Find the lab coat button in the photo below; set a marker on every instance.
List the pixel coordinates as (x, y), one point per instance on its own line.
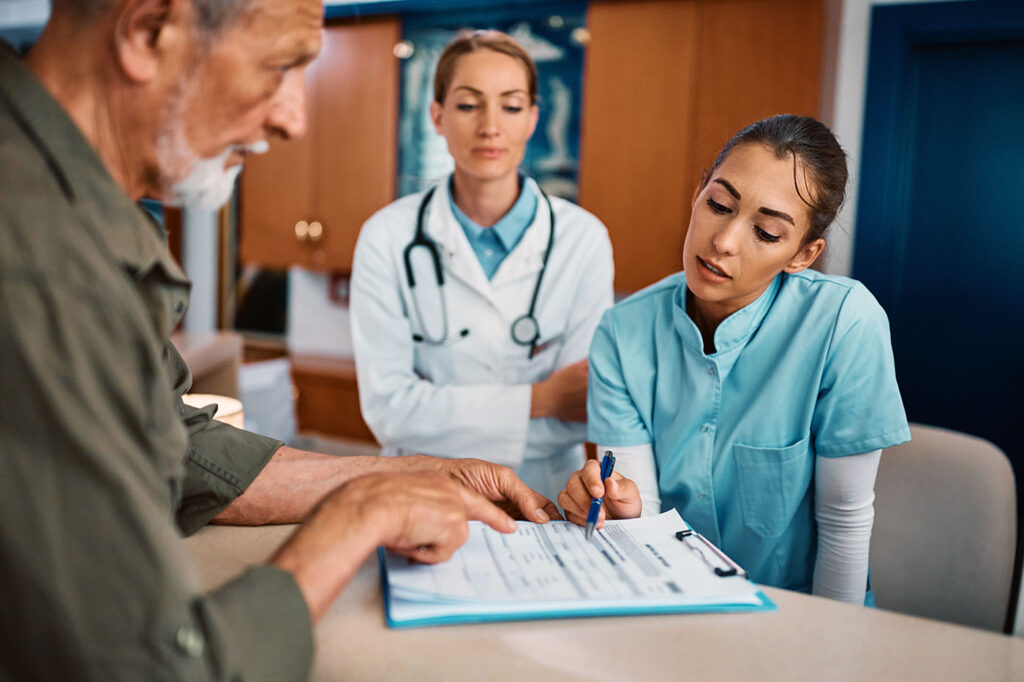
(190, 641)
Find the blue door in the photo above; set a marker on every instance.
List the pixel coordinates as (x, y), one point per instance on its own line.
(940, 228)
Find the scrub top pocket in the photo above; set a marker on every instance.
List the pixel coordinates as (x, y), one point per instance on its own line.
(772, 483)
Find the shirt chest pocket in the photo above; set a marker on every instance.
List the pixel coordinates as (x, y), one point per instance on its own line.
(772, 484)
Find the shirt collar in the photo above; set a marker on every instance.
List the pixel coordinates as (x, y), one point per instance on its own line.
(735, 330)
(511, 227)
(126, 229)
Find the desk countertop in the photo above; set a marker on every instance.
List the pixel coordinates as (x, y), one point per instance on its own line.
(808, 638)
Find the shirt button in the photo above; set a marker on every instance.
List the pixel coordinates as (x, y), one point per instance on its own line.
(705, 427)
(488, 253)
(179, 306)
(702, 496)
(711, 371)
(190, 641)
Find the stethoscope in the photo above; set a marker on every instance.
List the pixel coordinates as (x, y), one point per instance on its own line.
(525, 329)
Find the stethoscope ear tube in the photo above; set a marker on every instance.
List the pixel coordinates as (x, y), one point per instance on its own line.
(525, 329)
(531, 334)
(420, 240)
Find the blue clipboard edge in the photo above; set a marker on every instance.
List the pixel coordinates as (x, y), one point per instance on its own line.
(765, 605)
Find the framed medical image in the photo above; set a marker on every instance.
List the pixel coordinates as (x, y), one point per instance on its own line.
(554, 34)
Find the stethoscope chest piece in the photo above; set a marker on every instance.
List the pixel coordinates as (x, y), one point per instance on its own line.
(525, 330)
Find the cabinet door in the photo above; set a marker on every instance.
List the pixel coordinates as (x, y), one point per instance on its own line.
(343, 170)
(356, 131)
(276, 191)
(667, 83)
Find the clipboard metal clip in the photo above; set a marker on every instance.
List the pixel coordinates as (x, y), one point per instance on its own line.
(730, 568)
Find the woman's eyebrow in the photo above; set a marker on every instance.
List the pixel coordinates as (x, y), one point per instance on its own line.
(728, 186)
(766, 211)
(777, 214)
(480, 92)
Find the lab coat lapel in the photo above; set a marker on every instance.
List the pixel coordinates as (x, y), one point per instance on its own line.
(527, 258)
(457, 255)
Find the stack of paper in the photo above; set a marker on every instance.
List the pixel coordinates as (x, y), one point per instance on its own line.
(636, 566)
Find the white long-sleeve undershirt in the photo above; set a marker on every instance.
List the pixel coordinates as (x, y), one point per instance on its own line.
(844, 506)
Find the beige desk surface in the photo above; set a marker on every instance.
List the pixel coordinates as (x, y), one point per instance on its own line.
(808, 638)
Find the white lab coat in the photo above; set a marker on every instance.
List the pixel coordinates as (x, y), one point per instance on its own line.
(471, 397)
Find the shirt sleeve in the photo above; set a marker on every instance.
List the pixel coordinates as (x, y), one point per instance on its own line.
(844, 497)
(859, 407)
(594, 295)
(612, 415)
(400, 407)
(221, 460)
(91, 453)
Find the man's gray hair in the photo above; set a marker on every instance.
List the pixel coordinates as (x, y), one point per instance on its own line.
(211, 15)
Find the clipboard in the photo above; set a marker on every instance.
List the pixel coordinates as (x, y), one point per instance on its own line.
(693, 576)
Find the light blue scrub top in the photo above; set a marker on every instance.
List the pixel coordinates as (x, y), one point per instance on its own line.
(804, 370)
(492, 244)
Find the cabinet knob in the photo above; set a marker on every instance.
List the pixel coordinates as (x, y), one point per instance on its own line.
(316, 231)
(301, 230)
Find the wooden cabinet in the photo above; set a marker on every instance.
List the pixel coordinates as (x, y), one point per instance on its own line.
(304, 202)
(665, 85)
(328, 397)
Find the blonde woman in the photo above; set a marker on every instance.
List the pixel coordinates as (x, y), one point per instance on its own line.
(474, 302)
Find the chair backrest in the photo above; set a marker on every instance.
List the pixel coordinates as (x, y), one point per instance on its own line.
(945, 529)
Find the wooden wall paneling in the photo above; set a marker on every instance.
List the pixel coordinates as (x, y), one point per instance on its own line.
(665, 85)
(636, 131)
(357, 122)
(757, 58)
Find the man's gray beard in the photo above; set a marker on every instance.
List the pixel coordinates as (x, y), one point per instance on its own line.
(208, 185)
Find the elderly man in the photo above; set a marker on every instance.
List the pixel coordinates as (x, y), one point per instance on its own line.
(101, 466)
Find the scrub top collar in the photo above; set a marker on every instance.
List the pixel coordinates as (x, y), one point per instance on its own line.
(734, 331)
(510, 227)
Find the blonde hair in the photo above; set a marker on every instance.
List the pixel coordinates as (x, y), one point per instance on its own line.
(473, 41)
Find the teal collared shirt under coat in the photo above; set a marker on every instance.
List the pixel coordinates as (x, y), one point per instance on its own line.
(492, 244)
(804, 370)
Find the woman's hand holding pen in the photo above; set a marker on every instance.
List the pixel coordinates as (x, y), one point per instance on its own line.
(621, 496)
(563, 395)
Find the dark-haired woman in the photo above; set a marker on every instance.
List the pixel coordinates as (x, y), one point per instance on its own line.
(749, 392)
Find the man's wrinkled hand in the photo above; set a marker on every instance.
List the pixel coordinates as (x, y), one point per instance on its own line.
(503, 487)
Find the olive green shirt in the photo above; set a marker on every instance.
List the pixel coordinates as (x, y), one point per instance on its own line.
(102, 467)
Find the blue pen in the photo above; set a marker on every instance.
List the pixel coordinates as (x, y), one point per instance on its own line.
(607, 465)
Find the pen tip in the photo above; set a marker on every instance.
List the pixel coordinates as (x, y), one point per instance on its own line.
(589, 531)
